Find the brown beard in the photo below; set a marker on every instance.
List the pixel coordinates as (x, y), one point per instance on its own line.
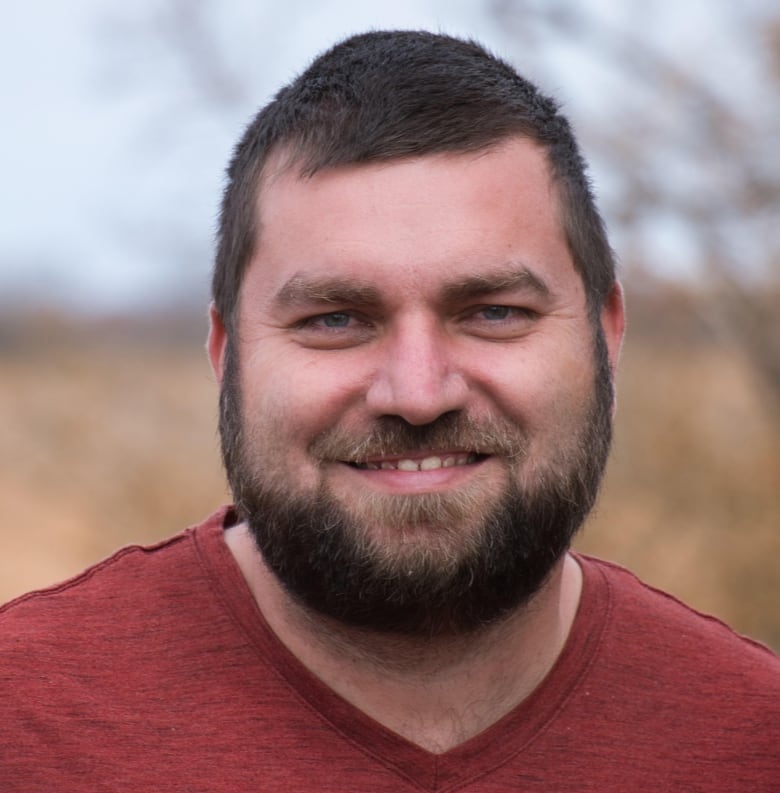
(445, 585)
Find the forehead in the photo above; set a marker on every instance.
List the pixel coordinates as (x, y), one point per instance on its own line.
(416, 223)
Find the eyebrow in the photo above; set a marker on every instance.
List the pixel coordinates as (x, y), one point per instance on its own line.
(300, 291)
(474, 286)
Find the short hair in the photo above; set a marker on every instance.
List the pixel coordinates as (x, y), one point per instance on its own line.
(390, 95)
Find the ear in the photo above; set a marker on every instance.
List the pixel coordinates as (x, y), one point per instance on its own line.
(217, 342)
(613, 323)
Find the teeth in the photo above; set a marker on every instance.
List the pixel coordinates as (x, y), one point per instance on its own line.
(430, 463)
(426, 464)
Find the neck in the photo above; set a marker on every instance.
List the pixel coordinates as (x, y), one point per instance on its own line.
(436, 693)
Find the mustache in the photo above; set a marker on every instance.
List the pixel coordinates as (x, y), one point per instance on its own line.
(392, 436)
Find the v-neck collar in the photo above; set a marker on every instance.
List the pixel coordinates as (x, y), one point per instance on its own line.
(468, 761)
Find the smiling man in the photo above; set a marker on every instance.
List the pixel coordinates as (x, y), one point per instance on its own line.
(415, 404)
(415, 326)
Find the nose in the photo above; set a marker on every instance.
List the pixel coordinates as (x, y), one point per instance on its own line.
(417, 377)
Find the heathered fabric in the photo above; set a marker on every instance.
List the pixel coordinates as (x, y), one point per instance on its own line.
(155, 671)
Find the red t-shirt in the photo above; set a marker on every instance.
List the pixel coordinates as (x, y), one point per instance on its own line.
(155, 671)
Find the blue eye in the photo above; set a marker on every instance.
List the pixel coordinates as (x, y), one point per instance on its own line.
(336, 320)
(496, 312)
(334, 330)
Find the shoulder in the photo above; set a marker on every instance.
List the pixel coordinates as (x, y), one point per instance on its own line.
(677, 685)
(108, 596)
(93, 604)
(145, 614)
(655, 618)
(652, 638)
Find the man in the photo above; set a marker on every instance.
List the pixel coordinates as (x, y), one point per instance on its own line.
(415, 325)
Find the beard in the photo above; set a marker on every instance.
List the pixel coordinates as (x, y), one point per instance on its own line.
(423, 565)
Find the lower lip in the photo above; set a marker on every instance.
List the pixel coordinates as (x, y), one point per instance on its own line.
(394, 481)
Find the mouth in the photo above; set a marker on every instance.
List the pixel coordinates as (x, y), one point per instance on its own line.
(428, 462)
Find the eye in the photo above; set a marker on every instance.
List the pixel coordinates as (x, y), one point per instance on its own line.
(334, 320)
(505, 314)
(500, 323)
(496, 312)
(334, 330)
(338, 319)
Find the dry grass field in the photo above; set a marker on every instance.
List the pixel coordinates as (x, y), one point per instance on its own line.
(109, 438)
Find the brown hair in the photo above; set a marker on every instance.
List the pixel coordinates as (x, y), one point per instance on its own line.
(398, 94)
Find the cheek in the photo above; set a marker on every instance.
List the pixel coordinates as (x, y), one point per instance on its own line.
(569, 405)
(289, 400)
(548, 395)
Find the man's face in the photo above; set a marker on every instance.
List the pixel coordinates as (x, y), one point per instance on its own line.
(416, 407)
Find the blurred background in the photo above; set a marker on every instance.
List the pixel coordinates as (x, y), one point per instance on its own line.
(118, 121)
